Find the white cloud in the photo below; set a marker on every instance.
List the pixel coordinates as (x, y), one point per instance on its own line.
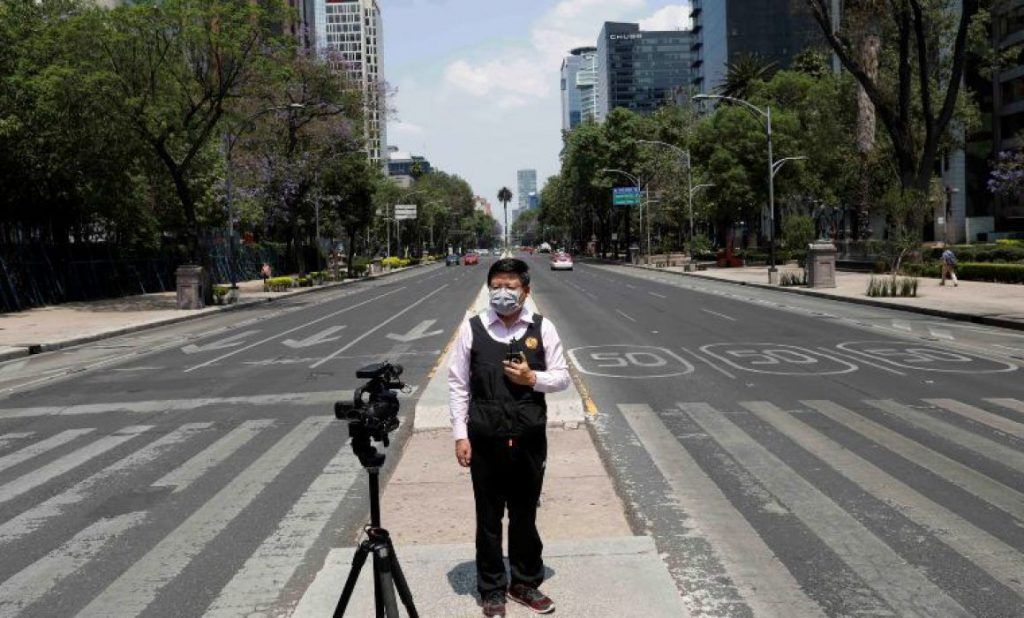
(515, 75)
(673, 17)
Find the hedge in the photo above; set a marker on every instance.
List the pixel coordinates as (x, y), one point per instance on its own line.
(972, 271)
(996, 253)
(279, 284)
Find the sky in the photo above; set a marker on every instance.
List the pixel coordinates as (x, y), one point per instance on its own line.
(477, 81)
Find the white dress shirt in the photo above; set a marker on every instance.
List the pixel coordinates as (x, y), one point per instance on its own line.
(555, 378)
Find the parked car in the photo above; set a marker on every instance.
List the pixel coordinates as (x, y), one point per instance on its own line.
(471, 259)
(451, 260)
(561, 261)
(484, 252)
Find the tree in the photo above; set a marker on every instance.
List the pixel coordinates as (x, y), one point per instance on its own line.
(742, 72)
(505, 196)
(916, 95)
(349, 185)
(169, 69)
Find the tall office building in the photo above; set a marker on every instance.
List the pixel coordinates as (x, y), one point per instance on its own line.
(351, 33)
(578, 80)
(527, 184)
(1007, 119)
(775, 30)
(639, 70)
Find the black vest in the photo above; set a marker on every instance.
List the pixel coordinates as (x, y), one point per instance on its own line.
(497, 407)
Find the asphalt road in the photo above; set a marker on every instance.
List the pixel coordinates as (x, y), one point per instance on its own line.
(197, 469)
(790, 456)
(794, 456)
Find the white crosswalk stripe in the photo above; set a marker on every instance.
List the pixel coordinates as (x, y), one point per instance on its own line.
(69, 462)
(758, 577)
(136, 588)
(38, 448)
(257, 585)
(903, 587)
(16, 436)
(31, 583)
(34, 518)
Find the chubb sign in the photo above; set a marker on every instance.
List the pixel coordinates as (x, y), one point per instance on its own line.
(625, 37)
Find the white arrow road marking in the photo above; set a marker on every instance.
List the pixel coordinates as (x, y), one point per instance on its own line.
(322, 337)
(222, 344)
(419, 332)
(940, 334)
(902, 325)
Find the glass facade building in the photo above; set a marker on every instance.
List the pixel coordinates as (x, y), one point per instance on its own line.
(775, 30)
(351, 33)
(527, 184)
(577, 86)
(639, 70)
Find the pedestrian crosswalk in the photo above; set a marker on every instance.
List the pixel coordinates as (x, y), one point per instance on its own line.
(798, 508)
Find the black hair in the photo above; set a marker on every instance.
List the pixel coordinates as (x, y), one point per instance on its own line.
(512, 266)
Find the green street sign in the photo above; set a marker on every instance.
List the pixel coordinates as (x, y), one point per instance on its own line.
(625, 196)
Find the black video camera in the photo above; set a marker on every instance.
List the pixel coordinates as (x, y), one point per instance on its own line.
(373, 411)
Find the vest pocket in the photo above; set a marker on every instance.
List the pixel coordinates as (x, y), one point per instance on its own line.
(506, 419)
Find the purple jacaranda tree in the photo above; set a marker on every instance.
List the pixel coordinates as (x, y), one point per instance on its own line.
(1007, 176)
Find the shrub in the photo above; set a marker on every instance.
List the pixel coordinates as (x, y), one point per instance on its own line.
(790, 278)
(219, 292)
(279, 284)
(892, 286)
(797, 231)
(392, 262)
(999, 273)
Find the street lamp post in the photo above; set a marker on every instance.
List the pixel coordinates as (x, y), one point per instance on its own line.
(766, 114)
(230, 139)
(689, 180)
(636, 181)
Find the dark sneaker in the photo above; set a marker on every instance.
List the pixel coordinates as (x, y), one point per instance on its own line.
(494, 604)
(532, 598)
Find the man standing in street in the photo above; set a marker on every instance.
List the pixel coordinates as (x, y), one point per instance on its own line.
(503, 362)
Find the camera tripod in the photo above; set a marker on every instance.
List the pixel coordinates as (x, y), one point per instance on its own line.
(387, 574)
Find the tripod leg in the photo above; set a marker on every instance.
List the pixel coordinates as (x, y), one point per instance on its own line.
(350, 584)
(378, 586)
(400, 583)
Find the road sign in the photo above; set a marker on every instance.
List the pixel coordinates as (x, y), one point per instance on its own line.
(405, 211)
(625, 196)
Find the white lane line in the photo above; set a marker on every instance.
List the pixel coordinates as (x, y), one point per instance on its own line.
(721, 315)
(176, 405)
(292, 330)
(33, 450)
(193, 469)
(708, 363)
(976, 414)
(964, 477)
(258, 584)
(33, 582)
(902, 586)
(859, 359)
(658, 295)
(68, 462)
(968, 439)
(8, 438)
(938, 333)
(1000, 561)
(376, 328)
(625, 316)
(763, 581)
(136, 588)
(36, 517)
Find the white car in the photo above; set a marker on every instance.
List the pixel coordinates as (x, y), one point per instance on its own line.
(561, 261)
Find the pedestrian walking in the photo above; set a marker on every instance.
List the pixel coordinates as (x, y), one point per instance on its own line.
(948, 261)
(504, 361)
(265, 272)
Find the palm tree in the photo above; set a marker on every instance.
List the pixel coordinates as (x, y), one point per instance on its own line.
(505, 196)
(741, 73)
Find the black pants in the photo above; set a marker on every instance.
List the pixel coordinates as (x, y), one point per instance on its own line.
(508, 477)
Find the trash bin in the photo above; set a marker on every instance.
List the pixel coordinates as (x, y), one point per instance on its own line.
(189, 280)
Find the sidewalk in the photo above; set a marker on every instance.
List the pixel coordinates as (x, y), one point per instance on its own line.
(59, 326)
(595, 566)
(995, 304)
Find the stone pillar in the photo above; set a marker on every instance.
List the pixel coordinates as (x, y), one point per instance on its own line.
(189, 280)
(821, 265)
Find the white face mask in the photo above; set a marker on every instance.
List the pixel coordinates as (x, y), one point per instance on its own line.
(505, 302)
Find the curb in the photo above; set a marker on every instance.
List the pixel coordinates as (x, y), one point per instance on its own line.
(941, 313)
(31, 349)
